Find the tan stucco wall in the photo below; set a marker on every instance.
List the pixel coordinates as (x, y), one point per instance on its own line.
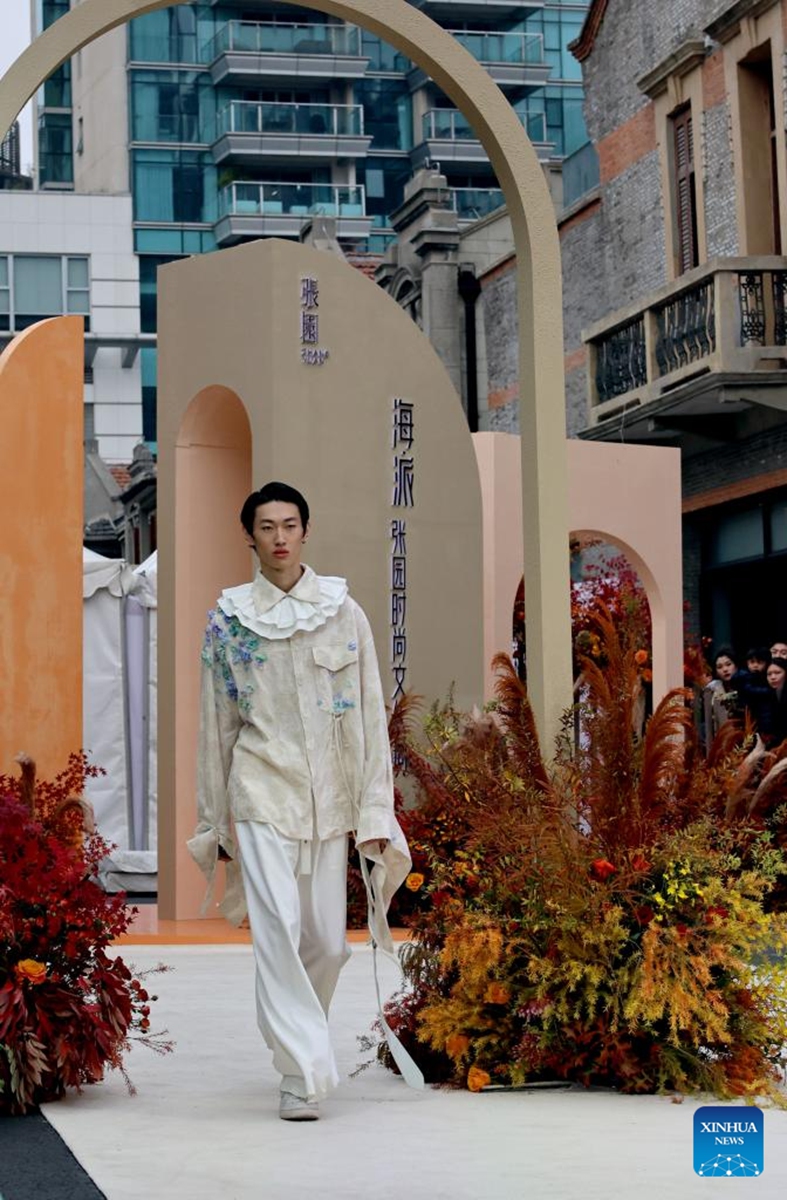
(542, 416)
(100, 102)
(629, 495)
(233, 318)
(41, 414)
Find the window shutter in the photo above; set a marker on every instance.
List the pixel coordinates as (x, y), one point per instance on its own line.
(685, 201)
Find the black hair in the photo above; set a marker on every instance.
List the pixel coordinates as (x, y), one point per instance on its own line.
(725, 652)
(759, 654)
(269, 492)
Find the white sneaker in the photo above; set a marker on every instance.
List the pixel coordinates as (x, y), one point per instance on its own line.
(295, 1108)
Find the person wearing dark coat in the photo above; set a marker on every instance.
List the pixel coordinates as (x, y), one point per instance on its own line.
(777, 683)
(756, 696)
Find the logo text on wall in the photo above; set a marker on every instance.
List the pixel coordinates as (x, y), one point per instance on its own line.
(311, 354)
(403, 497)
(729, 1142)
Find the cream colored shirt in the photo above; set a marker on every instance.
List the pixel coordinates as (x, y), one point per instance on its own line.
(293, 727)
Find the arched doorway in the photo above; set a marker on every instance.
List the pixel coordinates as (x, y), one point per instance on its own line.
(212, 478)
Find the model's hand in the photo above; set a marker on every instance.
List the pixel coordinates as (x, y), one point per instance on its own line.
(223, 856)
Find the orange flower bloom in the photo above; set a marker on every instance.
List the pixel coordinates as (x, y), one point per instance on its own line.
(641, 657)
(648, 675)
(414, 881)
(28, 970)
(497, 993)
(457, 1045)
(601, 869)
(477, 1079)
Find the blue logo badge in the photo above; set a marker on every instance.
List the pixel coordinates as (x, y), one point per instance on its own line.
(729, 1141)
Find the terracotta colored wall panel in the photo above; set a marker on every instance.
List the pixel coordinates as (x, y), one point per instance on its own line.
(41, 412)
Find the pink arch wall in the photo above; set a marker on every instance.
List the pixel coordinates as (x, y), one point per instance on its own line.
(629, 495)
(212, 478)
(41, 498)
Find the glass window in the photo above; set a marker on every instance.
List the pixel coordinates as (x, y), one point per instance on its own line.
(148, 304)
(5, 296)
(384, 179)
(174, 186)
(172, 106)
(77, 273)
(38, 287)
(55, 148)
(35, 286)
(57, 89)
(149, 370)
(737, 536)
(169, 36)
(779, 525)
(387, 112)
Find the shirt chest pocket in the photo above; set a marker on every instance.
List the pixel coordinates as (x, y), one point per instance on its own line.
(337, 677)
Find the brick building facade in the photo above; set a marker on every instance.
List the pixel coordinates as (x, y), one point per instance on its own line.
(675, 287)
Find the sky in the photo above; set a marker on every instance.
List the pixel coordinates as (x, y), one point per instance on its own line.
(14, 36)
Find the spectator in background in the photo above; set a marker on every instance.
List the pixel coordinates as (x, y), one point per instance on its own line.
(777, 678)
(755, 693)
(779, 650)
(722, 697)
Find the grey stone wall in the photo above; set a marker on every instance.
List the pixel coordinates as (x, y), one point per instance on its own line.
(719, 182)
(634, 37)
(498, 311)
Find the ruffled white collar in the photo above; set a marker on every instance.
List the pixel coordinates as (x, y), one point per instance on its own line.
(272, 613)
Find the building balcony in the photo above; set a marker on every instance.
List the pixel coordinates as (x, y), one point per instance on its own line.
(244, 52)
(448, 138)
(717, 336)
(512, 59)
(252, 132)
(471, 204)
(477, 9)
(280, 210)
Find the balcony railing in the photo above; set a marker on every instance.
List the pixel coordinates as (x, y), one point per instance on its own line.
(519, 49)
(256, 37)
(449, 125)
(292, 199)
(470, 204)
(333, 120)
(730, 315)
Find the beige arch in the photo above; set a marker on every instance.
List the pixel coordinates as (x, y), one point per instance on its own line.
(541, 378)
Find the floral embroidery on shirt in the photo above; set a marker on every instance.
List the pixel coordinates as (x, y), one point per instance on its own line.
(340, 704)
(228, 643)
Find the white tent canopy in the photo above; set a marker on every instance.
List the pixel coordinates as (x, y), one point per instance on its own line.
(119, 708)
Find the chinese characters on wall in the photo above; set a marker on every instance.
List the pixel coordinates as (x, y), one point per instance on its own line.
(312, 354)
(403, 498)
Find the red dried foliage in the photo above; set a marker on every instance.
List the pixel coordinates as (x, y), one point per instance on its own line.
(67, 1009)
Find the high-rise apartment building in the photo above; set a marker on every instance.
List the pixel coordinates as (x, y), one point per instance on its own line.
(231, 121)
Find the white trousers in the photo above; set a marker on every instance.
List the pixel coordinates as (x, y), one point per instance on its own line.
(298, 924)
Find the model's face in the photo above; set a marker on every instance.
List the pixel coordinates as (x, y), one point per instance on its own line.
(725, 667)
(278, 537)
(775, 676)
(779, 650)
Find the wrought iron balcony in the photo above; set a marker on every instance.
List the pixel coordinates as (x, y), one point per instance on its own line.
(448, 137)
(250, 209)
(471, 204)
(244, 51)
(722, 324)
(251, 131)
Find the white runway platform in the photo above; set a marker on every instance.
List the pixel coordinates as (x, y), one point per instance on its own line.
(204, 1122)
